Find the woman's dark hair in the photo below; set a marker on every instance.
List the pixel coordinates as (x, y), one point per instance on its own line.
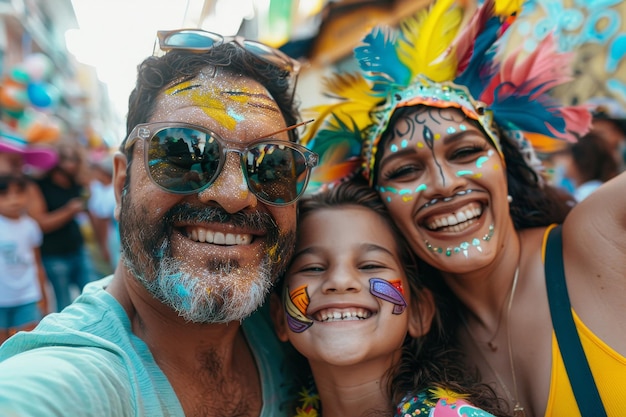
(593, 158)
(156, 73)
(534, 204)
(431, 360)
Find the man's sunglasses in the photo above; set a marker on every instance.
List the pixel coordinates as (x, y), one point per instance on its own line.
(198, 40)
(183, 158)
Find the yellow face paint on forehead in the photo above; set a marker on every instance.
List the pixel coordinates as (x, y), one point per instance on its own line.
(227, 100)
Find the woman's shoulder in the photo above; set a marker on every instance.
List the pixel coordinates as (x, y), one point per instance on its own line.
(438, 402)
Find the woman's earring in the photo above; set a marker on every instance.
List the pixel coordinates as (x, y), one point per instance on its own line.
(509, 199)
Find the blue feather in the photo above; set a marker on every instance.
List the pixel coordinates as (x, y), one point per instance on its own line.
(341, 135)
(378, 59)
(534, 115)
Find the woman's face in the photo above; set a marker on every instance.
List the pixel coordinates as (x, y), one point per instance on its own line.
(445, 185)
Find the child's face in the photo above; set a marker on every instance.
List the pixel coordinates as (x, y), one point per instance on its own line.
(13, 197)
(347, 298)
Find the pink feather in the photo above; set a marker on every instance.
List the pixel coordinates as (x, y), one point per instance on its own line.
(577, 122)
(464, 44)
(533, 75)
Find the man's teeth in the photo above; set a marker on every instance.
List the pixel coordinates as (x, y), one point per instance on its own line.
(343, 314)
(200, 234)
(468, 213)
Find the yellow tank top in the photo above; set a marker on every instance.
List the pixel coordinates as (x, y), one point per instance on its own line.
(607, 366)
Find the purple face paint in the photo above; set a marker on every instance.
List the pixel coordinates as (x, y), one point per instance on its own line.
(386, 291)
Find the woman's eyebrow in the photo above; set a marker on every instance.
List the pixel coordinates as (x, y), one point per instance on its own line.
(459, 135)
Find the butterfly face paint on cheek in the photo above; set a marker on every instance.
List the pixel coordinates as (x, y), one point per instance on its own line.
(391, 291)
(295, 303)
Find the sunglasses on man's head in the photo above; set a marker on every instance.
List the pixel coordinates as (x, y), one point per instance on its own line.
(183, 158)
(199, 40)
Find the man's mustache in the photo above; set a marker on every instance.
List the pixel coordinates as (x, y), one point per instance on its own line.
(184, 213)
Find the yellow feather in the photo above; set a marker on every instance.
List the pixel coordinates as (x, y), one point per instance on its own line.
(354, 105)
(508, 7)
(427, 40)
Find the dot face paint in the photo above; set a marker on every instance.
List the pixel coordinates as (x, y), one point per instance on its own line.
(448, 179)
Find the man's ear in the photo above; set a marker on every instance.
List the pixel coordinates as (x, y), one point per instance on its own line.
(277, 312)
(421, 313)
(119, 180)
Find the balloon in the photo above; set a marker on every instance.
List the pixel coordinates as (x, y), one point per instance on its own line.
(38, 127)
(13, 96)
(42, 95)
(38, 66)
(19, 75)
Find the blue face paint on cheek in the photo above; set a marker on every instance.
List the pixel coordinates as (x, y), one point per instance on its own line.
(405, 193)
(480, 161)
(386, 291)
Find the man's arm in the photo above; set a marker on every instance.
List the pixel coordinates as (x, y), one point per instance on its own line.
(63, 381)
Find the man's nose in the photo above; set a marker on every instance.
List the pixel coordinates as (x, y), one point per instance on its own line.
(230, 189)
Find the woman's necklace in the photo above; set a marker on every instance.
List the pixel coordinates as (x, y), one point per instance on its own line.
(518, 410)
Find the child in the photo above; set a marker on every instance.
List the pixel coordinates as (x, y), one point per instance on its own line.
(22, 277)
(354, 306)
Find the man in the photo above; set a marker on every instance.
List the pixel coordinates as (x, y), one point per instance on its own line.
(203, 238)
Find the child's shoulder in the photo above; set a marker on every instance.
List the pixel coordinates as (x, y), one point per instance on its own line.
(437, 402)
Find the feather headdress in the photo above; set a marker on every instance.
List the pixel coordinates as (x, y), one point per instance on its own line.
(432, 59)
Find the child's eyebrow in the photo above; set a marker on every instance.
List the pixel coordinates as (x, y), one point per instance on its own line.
(372, 247)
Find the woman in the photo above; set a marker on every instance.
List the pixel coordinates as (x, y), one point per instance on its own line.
(446, 133)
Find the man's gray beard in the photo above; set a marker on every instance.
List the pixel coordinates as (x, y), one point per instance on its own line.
(227, 292)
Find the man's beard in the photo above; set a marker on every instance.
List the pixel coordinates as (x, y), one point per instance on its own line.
(225, 291)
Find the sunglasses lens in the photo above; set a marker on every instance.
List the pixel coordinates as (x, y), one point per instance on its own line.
(190, 40)
(270, 55)
(277, 174)
(183, 160)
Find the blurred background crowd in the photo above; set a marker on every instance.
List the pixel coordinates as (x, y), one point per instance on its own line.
(61, 120)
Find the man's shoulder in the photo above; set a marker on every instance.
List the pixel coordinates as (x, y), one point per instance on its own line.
(277, 361)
